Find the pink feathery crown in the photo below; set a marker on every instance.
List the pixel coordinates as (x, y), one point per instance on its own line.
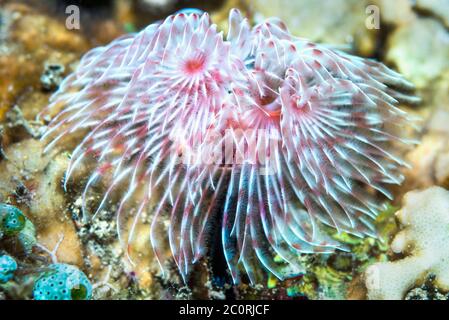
(268, 135)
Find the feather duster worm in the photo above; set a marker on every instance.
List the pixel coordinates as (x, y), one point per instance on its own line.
(275, 135)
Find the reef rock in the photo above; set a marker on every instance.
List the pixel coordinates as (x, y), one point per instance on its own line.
(396, 13)
(314, 19)
(438, 8)
(424, 62)
(427, 161)
(45, 203)
(28, 39)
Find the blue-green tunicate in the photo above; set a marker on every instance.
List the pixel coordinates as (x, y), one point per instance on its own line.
(62, 282)
(7, 268)
(12, 220)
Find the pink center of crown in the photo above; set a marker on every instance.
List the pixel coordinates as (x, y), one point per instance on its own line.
(195, 64)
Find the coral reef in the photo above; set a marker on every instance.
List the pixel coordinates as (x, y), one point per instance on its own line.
(37, 51)
(425, 218)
